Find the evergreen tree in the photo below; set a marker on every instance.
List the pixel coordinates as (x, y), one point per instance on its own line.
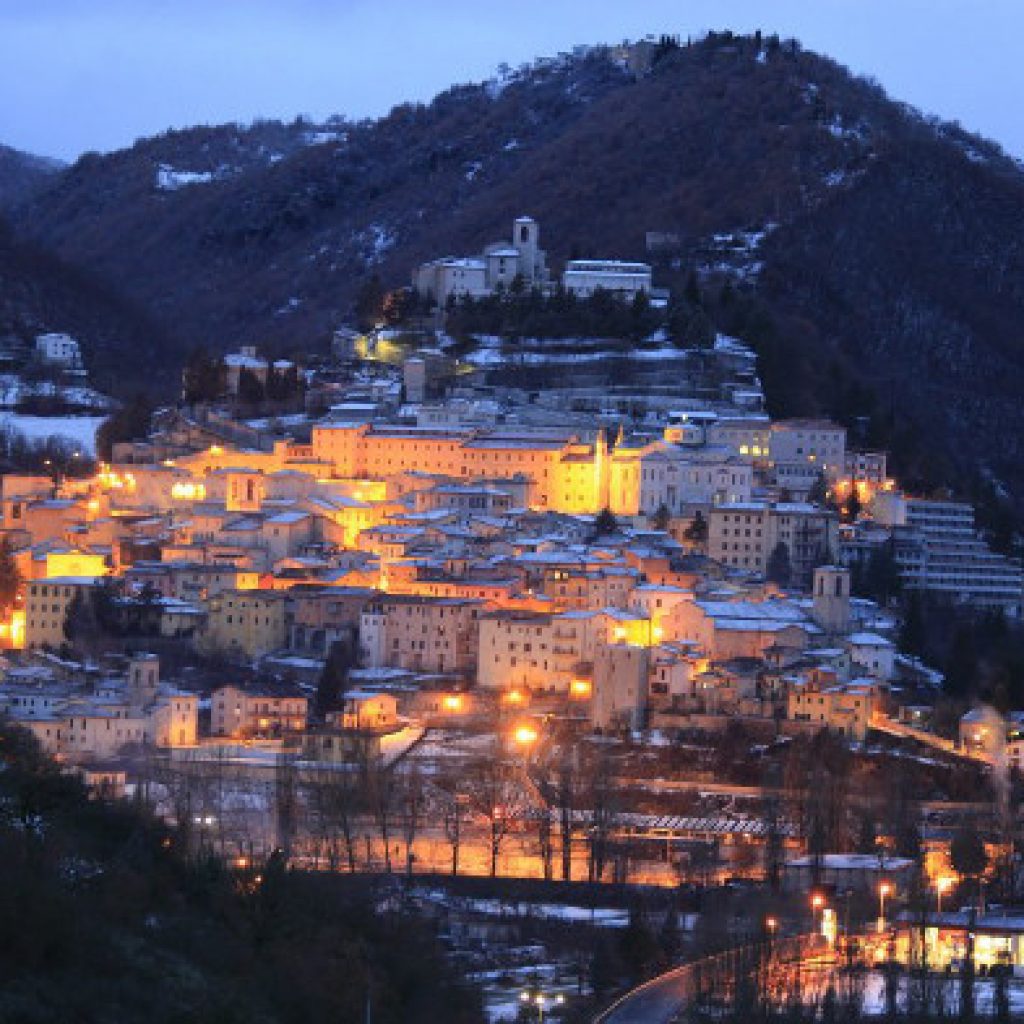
(638, 947)
(334, 678)
(131, 422)
(818, 494)
(913, 635)
(669, 936)
(961, 669)
(10, 577)
(853, 506)
(603, 967)
(697, 531)
(250, 388)
(779, 569)
(203, 378)
(881, 581)
(370, 303)
(662, 517)
(605, 524)
(692, 290)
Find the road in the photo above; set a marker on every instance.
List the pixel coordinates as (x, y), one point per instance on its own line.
(657, 1002)
(660, 1000)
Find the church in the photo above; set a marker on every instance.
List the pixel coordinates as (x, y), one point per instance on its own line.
(493, 270)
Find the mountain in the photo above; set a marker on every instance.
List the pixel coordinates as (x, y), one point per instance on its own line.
(40, 292)
(22, 174)
(872, 254)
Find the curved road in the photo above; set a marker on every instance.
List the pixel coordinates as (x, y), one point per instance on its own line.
(660, 1000)
(657, 1002)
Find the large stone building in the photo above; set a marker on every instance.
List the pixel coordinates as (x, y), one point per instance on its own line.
(424, 634)
(617, 277)
(746, 535)
(938, 549)
(495, 269)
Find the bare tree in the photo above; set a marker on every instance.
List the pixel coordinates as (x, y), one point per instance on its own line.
(286, 804)
(380, 788)
(332, 798)
(496, 792)
(411, 799)
(603, 813)
(455, 807)
(567, 786)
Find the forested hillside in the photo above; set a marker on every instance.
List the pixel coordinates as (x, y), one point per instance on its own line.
(872, 254)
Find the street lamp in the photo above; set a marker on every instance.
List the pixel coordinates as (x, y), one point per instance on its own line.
(884, 890)
(525, 735)
(817, 906)
(942, 885)
(541, 1001)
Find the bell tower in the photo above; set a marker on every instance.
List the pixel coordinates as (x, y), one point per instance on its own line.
(832, 598)
(526, 238)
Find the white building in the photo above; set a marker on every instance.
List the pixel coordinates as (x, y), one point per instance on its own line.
(744, 535)
(495, 269)
(802, 450)
(59, 350)
(620, 278)
(937, 547)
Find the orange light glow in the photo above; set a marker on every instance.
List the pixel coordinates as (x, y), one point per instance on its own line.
(453, 702)
(12, 632)
(884, 889)
(580, 688)
(188, 491)
(525, 735)
(513, 697)
(817, 901)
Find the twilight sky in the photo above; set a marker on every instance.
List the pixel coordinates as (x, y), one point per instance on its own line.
(97, 74)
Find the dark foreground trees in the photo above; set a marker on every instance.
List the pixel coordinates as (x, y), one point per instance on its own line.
(104, 917)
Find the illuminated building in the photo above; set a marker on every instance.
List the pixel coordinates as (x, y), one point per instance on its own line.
(422, 634)
(46, 607)
(249, 623)
(241, 714)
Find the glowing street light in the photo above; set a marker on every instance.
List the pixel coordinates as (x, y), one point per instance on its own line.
(541, 1001)
(525, 735)
(884, 890)
(943, 884)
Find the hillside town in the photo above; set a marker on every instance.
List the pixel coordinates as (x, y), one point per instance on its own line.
(477, 625)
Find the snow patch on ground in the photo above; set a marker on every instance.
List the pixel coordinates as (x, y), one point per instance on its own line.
(735, 252)
(13, 389)
(78, 431)
(374, 243)
(170, 180)
(319, 138)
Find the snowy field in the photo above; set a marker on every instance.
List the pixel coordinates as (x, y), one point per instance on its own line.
(79, 431)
